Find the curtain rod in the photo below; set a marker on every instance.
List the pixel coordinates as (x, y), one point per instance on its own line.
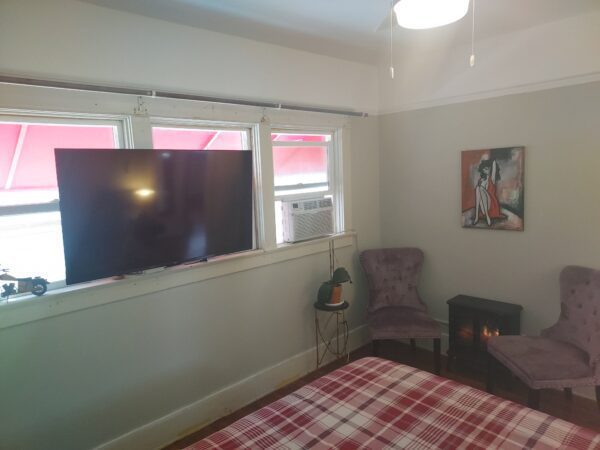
(5, 79)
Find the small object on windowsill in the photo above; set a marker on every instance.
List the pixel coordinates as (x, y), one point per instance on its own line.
(36, 285)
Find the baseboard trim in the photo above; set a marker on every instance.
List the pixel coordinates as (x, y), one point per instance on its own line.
(194, 416)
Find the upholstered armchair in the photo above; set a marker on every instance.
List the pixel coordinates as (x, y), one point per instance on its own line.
(567, 354)
(395, 309)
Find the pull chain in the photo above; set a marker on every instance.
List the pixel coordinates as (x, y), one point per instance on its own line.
(392, 39)
(472, 59)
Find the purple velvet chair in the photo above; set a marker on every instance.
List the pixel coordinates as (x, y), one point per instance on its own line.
(395, 309)
(567, 354)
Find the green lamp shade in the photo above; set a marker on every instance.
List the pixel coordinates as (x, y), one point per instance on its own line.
(340, 275)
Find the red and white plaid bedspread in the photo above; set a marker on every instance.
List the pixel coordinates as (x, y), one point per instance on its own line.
(373, 403)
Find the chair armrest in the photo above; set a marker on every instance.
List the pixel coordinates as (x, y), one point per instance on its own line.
(552, 332)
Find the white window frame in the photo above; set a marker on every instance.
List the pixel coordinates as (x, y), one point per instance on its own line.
(135, 114)
(253, 145)
(334, 167)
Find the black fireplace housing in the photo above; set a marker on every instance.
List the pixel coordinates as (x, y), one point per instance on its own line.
(472, 321)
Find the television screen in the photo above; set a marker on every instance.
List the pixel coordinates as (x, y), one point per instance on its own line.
(124, 211)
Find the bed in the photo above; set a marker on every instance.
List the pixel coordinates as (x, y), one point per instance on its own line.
(375, 403)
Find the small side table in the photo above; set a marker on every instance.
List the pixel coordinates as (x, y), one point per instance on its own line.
(341, 327)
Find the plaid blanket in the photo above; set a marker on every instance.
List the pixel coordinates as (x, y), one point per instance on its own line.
(373, 403)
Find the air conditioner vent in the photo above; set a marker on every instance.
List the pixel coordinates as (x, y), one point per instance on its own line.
(306, 219)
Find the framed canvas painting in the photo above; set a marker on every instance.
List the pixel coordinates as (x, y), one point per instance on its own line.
(492, 188)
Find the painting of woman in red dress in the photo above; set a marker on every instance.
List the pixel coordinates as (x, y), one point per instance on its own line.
(490, 201)
(486, 201)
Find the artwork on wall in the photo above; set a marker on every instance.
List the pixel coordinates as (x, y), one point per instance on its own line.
(492, 188)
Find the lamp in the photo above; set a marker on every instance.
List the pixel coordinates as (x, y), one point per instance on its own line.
(421, 14)
(330, 291)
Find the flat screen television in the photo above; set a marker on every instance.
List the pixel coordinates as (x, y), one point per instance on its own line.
(125, 211)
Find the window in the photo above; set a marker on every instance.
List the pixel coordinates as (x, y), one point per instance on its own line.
(30, 231)
(306, 165)
(303, 165)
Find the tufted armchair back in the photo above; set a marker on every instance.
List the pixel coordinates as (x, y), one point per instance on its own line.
(393, 275)
(579, 321)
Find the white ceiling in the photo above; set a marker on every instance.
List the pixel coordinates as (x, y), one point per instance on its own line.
(349, 29)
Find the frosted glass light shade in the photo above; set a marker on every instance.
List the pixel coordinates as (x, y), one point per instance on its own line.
(421, 14)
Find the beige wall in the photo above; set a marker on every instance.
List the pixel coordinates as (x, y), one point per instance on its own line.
(420, 196)
(365, 176)
(76, 41)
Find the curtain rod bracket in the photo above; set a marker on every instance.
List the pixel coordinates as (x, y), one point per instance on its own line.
(140, 109)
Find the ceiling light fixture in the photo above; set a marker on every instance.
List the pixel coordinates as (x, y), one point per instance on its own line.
(421, 14)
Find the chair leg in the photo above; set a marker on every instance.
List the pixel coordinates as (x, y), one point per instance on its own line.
(598, 396)
(489, 376)
(449, 360)
(533, 398)
(375, 347)
(437, 359)
(413, 346)
(568, 394)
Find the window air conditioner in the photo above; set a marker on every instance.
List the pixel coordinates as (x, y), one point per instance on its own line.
(306, 219)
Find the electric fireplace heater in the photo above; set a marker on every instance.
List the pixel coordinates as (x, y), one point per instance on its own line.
(472, 322)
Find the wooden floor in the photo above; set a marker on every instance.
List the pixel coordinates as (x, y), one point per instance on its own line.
(578, 410)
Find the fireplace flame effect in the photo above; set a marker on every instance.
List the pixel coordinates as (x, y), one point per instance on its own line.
(486, 332)
(466, 333)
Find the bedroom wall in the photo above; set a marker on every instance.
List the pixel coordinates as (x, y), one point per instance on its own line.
(138, 372)
(76, 41)
(420, 196)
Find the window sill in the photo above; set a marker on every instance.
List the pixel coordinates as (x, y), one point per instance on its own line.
(89, 295)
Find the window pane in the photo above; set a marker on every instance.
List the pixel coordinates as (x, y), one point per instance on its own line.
(198, 139)
(27, 169)
(299, 165)
(300, 137)
(31, 244)
(9, 135)
(301, 168)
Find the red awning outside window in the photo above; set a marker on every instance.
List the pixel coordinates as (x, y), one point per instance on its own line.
(27, 151)
(195, 139)
(9, 134)
(293, 165)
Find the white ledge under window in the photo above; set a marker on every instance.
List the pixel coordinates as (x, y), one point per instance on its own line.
(88, 295)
